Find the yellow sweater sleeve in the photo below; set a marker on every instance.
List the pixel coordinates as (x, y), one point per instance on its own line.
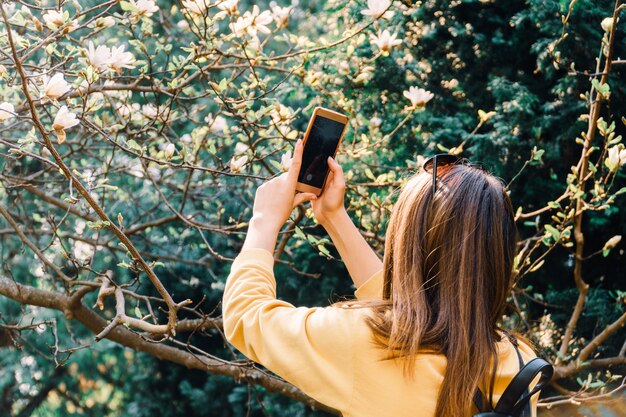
(372, 289)
(310, 347)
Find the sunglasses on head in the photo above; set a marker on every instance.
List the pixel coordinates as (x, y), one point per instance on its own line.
(443, 160)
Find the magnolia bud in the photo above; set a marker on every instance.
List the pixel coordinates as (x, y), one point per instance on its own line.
(169, 150)
(612, 242)
(607, 24)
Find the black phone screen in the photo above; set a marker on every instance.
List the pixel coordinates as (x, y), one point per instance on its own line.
(321, 143)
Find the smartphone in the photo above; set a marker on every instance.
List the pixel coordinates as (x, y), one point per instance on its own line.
(321, 140)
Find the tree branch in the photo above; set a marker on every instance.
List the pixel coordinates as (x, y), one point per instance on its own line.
(36, 297)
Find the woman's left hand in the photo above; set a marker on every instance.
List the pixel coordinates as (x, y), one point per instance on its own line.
(275, 200)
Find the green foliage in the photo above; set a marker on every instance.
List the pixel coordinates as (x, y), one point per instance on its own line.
(507, 57)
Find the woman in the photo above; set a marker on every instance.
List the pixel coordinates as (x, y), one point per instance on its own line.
(422, 335)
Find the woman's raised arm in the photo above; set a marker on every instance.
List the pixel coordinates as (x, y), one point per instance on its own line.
(360, 259)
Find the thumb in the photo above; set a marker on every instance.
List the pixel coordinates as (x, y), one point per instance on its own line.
(303, 197)
(336, 170)
(296, 162)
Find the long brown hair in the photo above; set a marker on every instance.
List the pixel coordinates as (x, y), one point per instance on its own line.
(447, 273)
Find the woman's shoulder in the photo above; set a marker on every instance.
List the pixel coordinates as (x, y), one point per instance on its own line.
(508, 344)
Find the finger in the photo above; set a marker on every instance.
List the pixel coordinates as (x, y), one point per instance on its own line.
(296, 161)
(337, 171)
(302, 198)
(330, 178)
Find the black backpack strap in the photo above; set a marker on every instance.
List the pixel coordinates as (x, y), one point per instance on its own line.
(516, 396)
(526, 412)
(479, 401)
(479, 398)
(515, 399)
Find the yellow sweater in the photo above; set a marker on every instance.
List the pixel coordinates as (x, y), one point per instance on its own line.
(328, 351)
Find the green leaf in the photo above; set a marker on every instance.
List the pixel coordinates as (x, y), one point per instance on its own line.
(223, 84)
(132, 144)
(126, 6)
(299, 233)
(98, 225)
(601, 124)
(276, 165)
(553, 231)
(537, 154)
(603, 89)
(596, 384)
(615, 140)
(323, 250)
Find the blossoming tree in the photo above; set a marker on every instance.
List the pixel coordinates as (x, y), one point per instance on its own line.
(133, 134)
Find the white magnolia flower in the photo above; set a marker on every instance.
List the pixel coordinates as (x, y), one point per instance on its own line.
(280, 113)
(55, 19)
(94, 101)
(128, 110)
(105, 22)
(241, 148)
(169, 150)
(258, 20)
(143, 8)
(150, 111)
(344, 68)
(63, 120)
(616, 158)
(83, 251)
(607, 24)
(418, 96)
(313, 77)
(99, 57)
(55, 87)
(239, 27)
(280, 15)
(252, 22)
(376, 121)
(254, 45)
(25, 12)
(183, 24)
(197, 7)
(227, 7)
(121, 59)
(364, 74)
(9, 8)
(217, 124)
(377, 9)
(7, 111)
(385, 41)
(285, 161)
(236, 164)
(136, 170)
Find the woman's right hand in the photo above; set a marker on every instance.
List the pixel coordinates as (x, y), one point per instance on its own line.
(331, 202)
